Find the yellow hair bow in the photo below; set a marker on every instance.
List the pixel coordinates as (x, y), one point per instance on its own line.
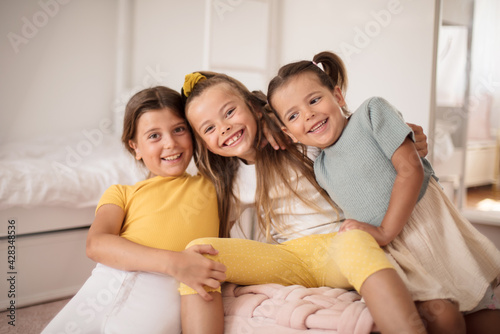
(190, 81)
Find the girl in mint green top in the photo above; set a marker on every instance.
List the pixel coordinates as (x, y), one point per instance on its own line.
(370, 168)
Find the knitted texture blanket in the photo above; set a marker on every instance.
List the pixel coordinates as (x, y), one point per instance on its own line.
(276, 309)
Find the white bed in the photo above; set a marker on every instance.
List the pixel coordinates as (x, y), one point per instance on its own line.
(49, 188)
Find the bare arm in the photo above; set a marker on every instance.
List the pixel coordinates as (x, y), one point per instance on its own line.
(404, 196)
(104, 245)
(405, 191)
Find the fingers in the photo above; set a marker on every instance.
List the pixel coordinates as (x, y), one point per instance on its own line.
(208, 249)
(203, 294)
(349, 224)
(219, 276)
(345, 226)
(420, 139)
(212, 283)
(421, 147)
(283, 144)
(219, 267)
(205, 249)
(269, 139)
(273, 143)
(417, 129)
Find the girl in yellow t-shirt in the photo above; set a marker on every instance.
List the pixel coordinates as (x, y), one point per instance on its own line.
(140, 232)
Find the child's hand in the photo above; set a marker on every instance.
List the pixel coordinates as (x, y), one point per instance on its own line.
(196, 271)
(420, 139)
(275, 142)
(377, 233)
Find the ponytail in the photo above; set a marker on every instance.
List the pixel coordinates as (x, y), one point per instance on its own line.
(334, 68)
(327, 66)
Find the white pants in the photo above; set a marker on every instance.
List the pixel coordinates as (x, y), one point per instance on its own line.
(116, 301)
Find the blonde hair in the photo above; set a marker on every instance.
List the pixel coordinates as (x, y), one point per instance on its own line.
(273, 167)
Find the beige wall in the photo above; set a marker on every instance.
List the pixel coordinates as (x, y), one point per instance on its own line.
(64, 77)
(57, 64)
(387, 46)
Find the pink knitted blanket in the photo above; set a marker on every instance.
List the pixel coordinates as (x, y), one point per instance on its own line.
(275, 309)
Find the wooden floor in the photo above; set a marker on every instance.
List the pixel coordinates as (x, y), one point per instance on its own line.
(476, 195)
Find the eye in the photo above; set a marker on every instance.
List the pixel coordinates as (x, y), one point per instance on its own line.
(315, 100)
(180, 129)
(154, 136)
(293, 116)
(209, 129)
(230, 112)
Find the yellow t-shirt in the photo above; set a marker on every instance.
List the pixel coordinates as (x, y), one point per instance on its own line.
(166, 212)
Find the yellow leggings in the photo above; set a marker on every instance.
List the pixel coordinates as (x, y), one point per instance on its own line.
(336, 260)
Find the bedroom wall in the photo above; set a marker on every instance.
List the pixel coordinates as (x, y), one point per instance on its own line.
(387, 46)
(61, 70)
(57, 62)
(165, 43)
(168, 38)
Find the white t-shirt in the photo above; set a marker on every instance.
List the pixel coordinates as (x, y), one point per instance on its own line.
(299, 218)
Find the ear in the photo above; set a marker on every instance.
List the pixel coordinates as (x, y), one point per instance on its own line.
(133, 145)
(337, 94)
(289, 134)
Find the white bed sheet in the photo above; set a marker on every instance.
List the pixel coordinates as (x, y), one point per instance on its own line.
(66, 171)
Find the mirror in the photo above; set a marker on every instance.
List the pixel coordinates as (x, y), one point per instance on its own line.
(466, 146)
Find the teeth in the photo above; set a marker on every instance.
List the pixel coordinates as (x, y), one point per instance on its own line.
(233, 139)
(317, 126)
(172, 157)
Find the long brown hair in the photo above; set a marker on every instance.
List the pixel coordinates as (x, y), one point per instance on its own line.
(333, 74)
(275, 168)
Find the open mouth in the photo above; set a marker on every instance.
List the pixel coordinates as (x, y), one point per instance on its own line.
(318, 126)
(172, 157)
(233, 139)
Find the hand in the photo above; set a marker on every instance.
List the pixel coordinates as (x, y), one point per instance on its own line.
(420, 139)
(270, 138)
(196, 271)
(377, 233)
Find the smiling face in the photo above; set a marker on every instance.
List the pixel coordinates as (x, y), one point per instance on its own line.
(163, 142)
(311, 112)
(224, 122)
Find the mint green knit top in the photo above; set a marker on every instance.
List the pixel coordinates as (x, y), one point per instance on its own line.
(357, 171)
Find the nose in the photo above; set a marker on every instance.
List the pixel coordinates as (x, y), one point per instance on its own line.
(168, 141)
(225, 129)
(309, 114)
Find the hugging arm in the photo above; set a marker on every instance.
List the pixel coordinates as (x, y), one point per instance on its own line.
(404, 196)
(104, 245)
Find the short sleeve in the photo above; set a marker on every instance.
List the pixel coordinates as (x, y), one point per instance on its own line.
(313, 152)
(388, 125)
(116, 194)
